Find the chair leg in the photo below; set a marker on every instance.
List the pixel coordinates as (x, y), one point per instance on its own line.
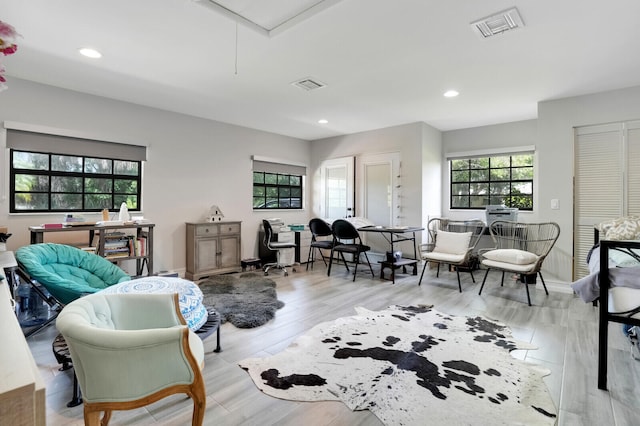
(370, 268)
(330, 263)
(310, 258)
(438, 271)
(502, 280)
(526, 286)
(483, 281)
(458, 274)
(355, 268)
(543, 284)
(473, 279)
(423, 269)
(346, 265)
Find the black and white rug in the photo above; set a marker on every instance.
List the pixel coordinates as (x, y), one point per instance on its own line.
(247, 300)
(411, 365)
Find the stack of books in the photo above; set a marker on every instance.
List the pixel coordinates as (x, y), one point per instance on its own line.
(118, 244)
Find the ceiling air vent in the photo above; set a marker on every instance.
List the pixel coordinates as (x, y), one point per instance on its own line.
(308, 84)
(498, 23)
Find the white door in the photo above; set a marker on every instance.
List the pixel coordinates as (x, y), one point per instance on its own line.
(378, 194)
(336, 191)
(378, 188)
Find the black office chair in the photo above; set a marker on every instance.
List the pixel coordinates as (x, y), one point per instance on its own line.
(271, 244)
(319, 229)
(346, 239)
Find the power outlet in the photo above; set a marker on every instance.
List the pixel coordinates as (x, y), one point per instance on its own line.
(555, 204)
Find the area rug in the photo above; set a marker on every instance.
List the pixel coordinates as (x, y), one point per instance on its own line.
(246, 301)
(411, 365)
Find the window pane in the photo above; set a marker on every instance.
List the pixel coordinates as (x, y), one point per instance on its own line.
(125, 186)
(66, 163)
(459, 164)
(283, 179)
(523, 202)
(522, 188)
(479, 175)
(129, 168)
(478, 201)
(284, 192)
(31, 183)
(66, 201)
(272, 192)
(479, 188)
(479, 163)
(97, 185)
(66, 184)
(98, 201)
(32, 201)
(459, 201)
(499, 174)
(258, 202)
(270, 178)
(30, 160)
(459, 189)
(522, 160)
(258, 191)
(296, 192)
(500, 188)
(461, 176)
(258, 177)
(296, 181)
(97, 165)
(497, 199)
(130, 200)
(500, 161)
(522, 173)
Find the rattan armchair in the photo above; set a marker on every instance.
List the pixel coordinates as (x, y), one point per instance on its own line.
(452, 243)
(520, 248)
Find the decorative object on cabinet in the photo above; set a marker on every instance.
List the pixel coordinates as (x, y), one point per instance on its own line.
(140, 242)
(215, 214)
(212, 248)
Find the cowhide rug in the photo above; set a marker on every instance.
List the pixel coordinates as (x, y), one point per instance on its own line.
(246, 301)
(409, 366)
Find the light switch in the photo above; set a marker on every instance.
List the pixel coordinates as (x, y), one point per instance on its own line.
(555, 204)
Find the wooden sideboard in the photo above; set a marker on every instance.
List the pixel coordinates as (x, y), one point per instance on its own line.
(22, 390)
(212, 248)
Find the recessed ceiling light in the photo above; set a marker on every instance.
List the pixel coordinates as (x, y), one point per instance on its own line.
(90, 53)
(323, 121)
(451, 93)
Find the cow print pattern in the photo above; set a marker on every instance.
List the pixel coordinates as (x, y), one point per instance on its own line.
(411, 365)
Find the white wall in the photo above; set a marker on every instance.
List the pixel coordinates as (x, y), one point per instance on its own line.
(419, 146)
(556, 121)
(192, 163)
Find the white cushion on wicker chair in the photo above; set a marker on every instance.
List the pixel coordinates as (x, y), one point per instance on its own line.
(514, 256)
(452, 242)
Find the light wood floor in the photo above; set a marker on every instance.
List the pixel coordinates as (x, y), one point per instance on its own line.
(563, 327)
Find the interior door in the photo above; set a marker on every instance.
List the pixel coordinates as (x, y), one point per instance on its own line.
(378, 194)
(337, 188)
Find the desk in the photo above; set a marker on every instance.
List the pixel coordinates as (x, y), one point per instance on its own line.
(9, 265)
(143, 233)
(393, 235)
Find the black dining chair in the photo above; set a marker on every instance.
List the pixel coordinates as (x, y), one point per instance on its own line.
(320, 230)
(346, 239)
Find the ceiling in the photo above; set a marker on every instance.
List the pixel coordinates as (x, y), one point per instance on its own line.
(384, 62)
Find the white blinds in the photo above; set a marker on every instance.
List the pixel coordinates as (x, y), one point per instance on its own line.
(607, 181)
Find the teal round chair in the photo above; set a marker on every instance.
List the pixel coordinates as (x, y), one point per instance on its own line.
(68, 272)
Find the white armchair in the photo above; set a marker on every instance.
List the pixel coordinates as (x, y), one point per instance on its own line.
(130, 350)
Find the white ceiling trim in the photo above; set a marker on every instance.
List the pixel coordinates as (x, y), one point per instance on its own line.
(287, 18)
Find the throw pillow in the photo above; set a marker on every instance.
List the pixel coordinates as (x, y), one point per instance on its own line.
(452, 242)
(513, 256)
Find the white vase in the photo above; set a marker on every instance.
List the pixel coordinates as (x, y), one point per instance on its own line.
(124, 213)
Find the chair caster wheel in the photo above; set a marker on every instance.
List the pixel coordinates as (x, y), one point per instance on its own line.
(286, 274)
(294, 270)
(266, 273)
